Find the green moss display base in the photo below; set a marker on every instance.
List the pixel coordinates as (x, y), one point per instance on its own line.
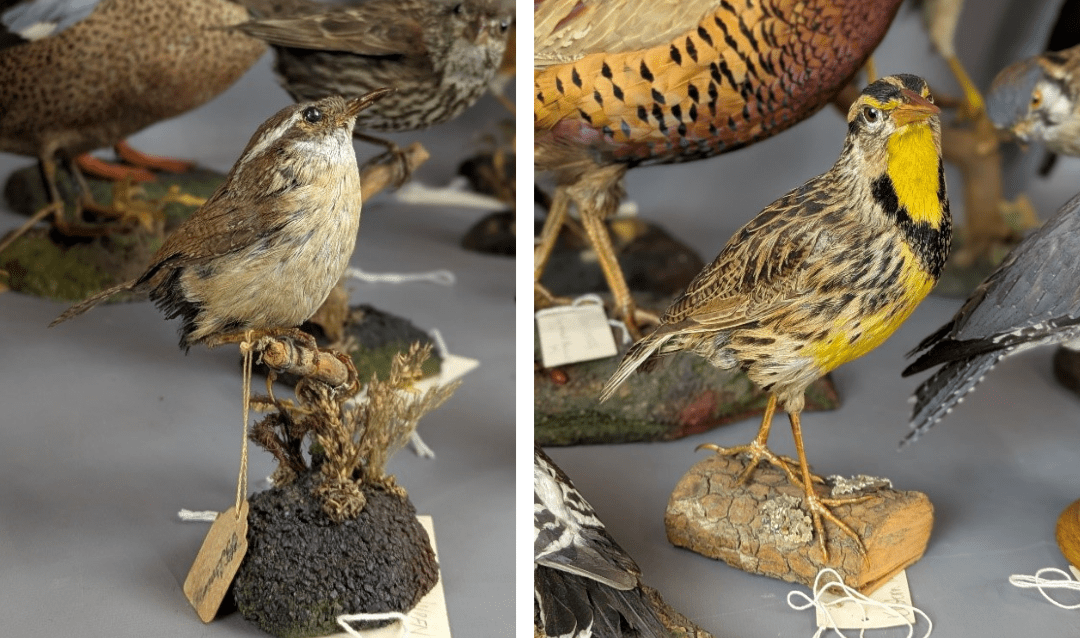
(680, 397)
(46, 264)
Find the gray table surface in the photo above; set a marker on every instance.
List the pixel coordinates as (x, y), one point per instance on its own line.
(107, 429)
(999, 470)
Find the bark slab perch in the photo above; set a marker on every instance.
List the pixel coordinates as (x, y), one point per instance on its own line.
(759, 527)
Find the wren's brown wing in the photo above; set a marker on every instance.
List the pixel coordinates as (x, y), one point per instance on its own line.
(379, 28)
(757, 272)
(567, 30)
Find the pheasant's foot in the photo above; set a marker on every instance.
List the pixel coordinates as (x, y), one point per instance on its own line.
(544, 298)
(151, 162)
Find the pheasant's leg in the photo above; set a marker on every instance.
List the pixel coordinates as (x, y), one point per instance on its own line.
(153, 162)
(392, 151)
(758, 449)
(625, 308)
(819, 507)
(549, 235)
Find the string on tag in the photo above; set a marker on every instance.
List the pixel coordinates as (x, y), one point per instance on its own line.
(201, 516)
(246, 349)
(344, 619)
(847, 594)
(1023, 581)
(441, 277)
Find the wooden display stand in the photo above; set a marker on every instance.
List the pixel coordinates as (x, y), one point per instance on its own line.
(759, 527)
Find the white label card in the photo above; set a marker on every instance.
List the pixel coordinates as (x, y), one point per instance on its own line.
(1075, 572)
(853, 615)
(569, 334)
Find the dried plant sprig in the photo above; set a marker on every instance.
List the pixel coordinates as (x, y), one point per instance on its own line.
(357, 440)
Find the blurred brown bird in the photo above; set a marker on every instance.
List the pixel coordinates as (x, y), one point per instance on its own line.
(439, 55)
(618, 84)
(265, 250)
(124, 66)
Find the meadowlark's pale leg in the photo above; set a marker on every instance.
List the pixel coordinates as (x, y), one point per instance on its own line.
(758, 449)
(819, 507)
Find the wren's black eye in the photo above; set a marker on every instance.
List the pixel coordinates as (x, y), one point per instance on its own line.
(313, 115)
(458, 8)
(870, 114)
(504, 25)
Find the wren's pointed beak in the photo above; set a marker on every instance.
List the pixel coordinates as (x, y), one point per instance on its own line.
(355, 105)
(915, 108)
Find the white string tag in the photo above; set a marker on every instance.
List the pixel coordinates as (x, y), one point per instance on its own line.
(841, 607)
(1037, 581)
(441, 277)
(570, 334)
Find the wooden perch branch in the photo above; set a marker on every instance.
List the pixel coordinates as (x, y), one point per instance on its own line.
(375, 177)
(293, 357)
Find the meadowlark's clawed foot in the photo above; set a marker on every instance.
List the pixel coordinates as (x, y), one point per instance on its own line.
(819, 509)
(756, 452)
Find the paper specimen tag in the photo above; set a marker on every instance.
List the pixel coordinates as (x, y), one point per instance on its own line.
(853, 615)
(569, 334)
(217, 561)
(428, 619)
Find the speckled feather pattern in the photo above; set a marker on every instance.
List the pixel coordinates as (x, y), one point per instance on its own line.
(439, 60)
(128, 64)
(585, 585)
(744, 71)
(818, 278)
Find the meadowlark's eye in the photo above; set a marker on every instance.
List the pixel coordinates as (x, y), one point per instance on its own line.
(313, 115)
(870, 114)
(1036, 98)
(929, 98)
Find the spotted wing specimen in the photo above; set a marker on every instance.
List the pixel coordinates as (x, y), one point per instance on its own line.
(585, 585)
(1032, 299)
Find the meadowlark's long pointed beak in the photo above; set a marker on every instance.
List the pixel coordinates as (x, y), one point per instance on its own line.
(358, 104)
(915, 108)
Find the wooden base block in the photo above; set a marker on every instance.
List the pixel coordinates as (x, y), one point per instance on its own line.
(1068, 533)
(759, 526)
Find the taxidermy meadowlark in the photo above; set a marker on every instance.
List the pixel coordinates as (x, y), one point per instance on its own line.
(1032, 299)
(824, 274)
(1038, 99)
(627, 82)
(584, 584)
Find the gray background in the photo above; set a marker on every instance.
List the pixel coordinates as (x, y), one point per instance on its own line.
(999, 470)
(107, 429)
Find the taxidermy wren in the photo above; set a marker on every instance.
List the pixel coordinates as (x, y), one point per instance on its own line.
(265, 250)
